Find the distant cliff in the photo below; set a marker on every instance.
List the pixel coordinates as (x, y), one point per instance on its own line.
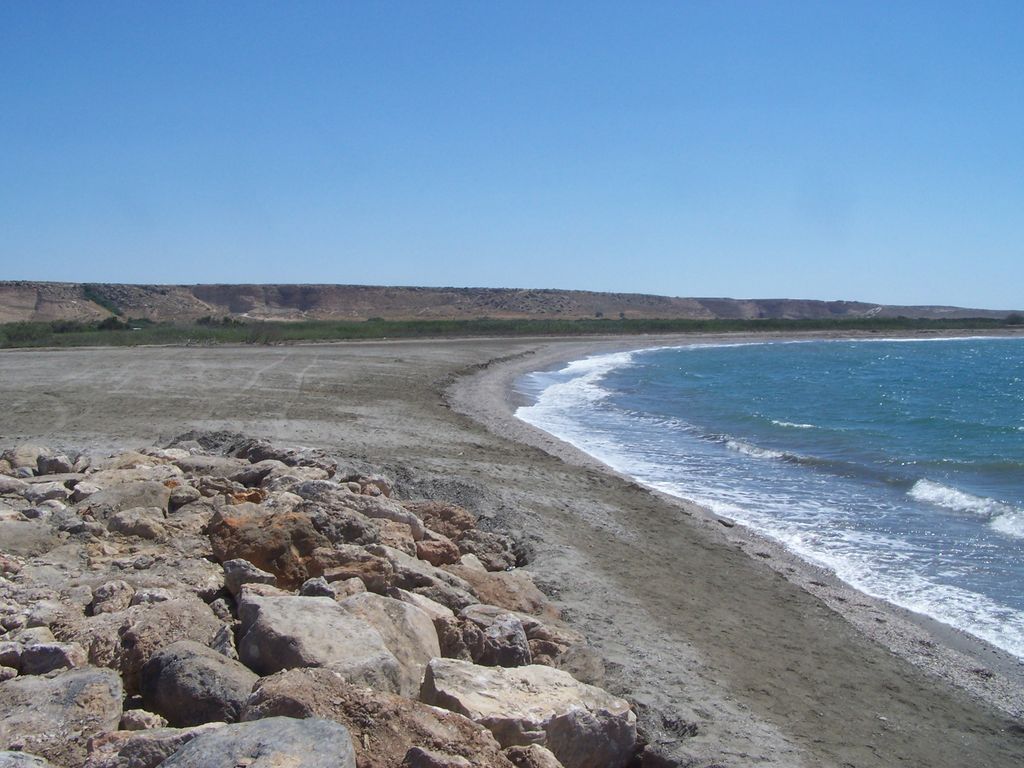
(39, 301)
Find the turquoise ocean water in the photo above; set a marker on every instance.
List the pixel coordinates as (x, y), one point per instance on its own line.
(899, 465)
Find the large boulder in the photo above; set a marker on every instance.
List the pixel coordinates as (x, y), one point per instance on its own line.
(584, 726)
(277, 742)
(385, 726)
(283, 632)
(191, 684)
(55, 716)
(407, 631)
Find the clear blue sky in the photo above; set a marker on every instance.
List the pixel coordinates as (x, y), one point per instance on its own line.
(853, 150)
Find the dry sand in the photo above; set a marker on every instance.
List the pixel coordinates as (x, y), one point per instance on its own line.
(735, 653)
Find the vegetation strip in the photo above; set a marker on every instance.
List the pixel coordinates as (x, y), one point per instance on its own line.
(115, 332)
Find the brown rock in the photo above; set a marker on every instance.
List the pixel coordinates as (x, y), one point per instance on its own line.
(512, 590)
(347, 561)
(279, 543)
(383, 726)
(437, 550)
(532, 756)
(439, 516)
(398, 536)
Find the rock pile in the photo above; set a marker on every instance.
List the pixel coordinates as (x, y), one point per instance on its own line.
(259, 606)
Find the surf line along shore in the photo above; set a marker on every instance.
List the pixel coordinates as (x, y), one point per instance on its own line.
(761, 644)
(730, 657)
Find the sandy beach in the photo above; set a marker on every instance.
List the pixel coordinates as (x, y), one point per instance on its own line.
(734, 652)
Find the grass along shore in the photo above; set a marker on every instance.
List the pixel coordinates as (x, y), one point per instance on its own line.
(116, 332)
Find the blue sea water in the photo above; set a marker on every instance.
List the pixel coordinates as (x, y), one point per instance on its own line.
(899, 465)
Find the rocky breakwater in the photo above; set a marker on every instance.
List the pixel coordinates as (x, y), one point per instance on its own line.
(225, 602)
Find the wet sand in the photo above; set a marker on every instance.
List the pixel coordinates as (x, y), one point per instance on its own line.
(736, 653)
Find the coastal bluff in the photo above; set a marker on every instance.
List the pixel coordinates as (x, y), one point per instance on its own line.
(225, 601)
(31, 301)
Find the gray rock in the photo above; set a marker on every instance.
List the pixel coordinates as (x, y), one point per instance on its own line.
(7, 673)
(55, 716)
(41, 658)
(239, 571)
(181, 496)
(22, 760)
(191, 684)
(141, 720)
(418, 757)
(35, 632)
(147, 595)
(130, 495)
(37, 493)
(423, 578)
(492, 549)
(272, 743)
(25, 456)
(12, 486)
(287, 632)
(407, 631)
(54, 465)
(211, 466)
(317, 587)
(504, 644)
(143, 522)
(583, 726)
(125, 641)
(10, 654)
(111, 597)
(28, 538)
(83, 491)
(143, 748)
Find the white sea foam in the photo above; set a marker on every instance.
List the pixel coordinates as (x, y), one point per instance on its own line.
(817, 521)
(752, 450)
(1011, 523)
(959, 501)
(792, 425)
